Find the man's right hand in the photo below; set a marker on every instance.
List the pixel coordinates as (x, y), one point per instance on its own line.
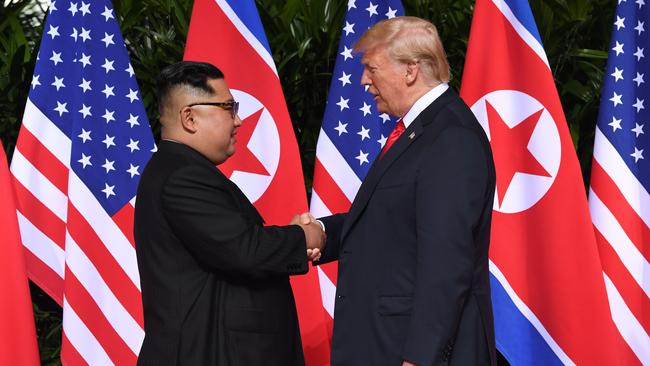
(314, 235)
(305, 218)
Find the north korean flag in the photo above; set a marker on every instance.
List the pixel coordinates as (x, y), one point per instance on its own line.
(548, 291)
(266, 165)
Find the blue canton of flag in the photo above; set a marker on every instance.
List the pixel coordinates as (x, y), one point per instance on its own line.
(623, 115)
(84, 83)
(351, 119)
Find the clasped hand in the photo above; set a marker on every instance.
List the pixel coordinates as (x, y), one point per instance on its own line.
(314, 234)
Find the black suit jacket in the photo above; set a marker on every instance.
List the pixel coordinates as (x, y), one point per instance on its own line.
(215, 282)
(413, 281)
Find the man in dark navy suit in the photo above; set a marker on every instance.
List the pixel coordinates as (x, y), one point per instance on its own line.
(413, 282)
(215, 281)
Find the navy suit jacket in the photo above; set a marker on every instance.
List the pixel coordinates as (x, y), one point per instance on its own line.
(413, 280)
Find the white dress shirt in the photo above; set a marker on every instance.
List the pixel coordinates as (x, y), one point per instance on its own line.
(422, 103)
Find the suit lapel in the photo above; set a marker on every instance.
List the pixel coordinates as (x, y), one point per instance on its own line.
(380, 166)
(378, 169)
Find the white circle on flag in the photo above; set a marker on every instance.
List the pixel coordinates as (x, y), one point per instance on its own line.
(264, 144)
(525, 190)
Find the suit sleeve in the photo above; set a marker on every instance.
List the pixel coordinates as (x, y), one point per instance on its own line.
(333, 226)
(208, 221)
(451, 193)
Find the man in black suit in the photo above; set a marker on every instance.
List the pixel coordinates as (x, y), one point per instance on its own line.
(413, 282)
(215, 281)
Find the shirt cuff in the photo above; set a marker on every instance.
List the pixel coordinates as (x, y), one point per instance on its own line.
(321, 225)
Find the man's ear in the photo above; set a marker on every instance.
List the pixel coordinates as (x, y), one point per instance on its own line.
(187, 119)
(412, 72)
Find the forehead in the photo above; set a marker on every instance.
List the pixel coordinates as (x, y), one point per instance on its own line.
(221, 89)
(375, 56)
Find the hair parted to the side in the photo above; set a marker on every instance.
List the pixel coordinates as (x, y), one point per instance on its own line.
(187, 74)
(409, 39)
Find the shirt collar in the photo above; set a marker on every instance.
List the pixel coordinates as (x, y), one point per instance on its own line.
(422, 103)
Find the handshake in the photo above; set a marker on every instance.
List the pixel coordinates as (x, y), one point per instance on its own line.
(314, 234)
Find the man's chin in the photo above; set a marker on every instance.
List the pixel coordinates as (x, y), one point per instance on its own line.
(381, 107)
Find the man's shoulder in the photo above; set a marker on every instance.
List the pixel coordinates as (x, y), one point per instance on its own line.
(456, 113)
(162, 163)
(447, 107)
(452, 116)
(173, 157)
(455, 105)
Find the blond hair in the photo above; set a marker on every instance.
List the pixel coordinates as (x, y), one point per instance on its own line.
(409, 39)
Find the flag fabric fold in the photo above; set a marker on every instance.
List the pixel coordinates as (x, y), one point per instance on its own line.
(620, 178)
(548, 293)
(84, 140)
(18, 334)
(266, 166)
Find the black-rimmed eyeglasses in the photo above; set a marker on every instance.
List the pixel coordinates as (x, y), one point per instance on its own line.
(233, 106)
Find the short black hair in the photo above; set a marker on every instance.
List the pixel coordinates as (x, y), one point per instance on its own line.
(186, 73)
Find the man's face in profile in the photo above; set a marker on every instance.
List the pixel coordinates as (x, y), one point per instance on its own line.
(217, 124)
(385, 80)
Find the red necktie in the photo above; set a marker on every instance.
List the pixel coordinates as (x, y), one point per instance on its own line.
(394, 135)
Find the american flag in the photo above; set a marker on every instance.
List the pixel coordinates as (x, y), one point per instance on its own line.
(352, 133)
(84, 141)
(620, 177)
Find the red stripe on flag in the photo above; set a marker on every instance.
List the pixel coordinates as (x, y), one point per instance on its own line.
(93, 317)
(611, 196)
(43, 159)
(39, 214)
(124, 219)
(634, 296)
(328, 191)
(44, 277)
(109, 269)
(69, 354)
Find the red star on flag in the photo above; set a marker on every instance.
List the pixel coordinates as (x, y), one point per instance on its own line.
(244, 160)
(510, 149)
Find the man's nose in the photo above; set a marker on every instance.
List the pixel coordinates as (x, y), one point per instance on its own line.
(365, 79)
